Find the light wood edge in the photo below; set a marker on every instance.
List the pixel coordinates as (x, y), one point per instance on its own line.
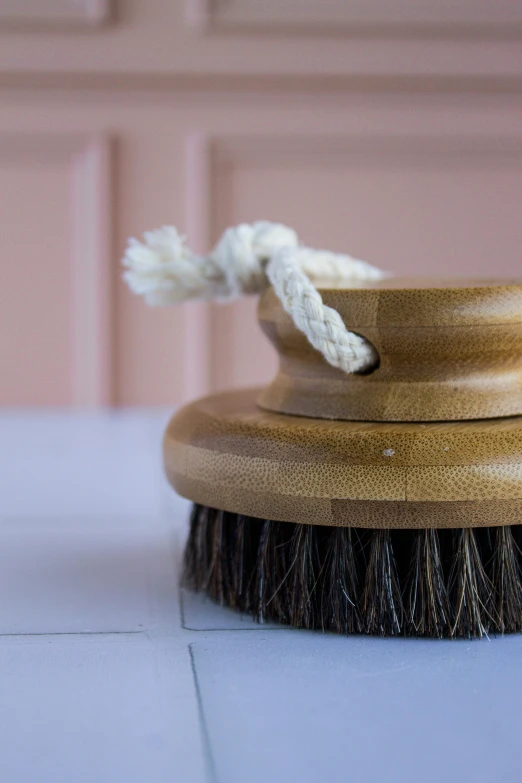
(347, 482)
(224, 452)
(392, 515)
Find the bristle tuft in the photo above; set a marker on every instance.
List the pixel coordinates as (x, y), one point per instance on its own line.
(304, 566)
(471, 591)
(339, 606)
(507, 578)
(381, 606)
(427, 605)
(447, 583)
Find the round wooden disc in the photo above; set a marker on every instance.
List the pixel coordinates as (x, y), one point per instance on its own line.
(227, 453)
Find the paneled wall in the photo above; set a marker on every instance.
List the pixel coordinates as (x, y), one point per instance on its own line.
(391, 130)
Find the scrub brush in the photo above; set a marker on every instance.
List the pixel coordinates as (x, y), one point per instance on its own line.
(376, 485)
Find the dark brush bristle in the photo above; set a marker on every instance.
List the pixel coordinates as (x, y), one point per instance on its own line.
(340, 596)
(381, 606)
(445, 583)
(471, 591)
(507, 578)
(278, 605)
(263, 580)
(304, 567)
(195, 561)
(238, 542)
(426, 598)
(217, 573)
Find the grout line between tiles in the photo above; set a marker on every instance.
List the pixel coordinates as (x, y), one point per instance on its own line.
(71, 633)
(209, 759)
(186, 627)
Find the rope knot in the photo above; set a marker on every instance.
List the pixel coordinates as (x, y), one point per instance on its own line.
(243, 252)
(246, 259)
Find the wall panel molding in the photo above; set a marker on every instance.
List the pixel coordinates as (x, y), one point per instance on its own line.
(88, 160)
(197, 365)
(260, 44)
(488, 18)
(45, 14)
(212, 157)
(92, 302)
(290, 150)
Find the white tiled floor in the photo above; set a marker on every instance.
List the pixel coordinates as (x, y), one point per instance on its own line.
(110, 674)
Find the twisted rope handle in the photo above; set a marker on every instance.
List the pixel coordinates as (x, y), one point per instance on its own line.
(246, 259)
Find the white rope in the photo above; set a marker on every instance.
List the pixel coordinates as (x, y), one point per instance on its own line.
(246, 259)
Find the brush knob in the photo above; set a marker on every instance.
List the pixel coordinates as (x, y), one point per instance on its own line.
(448, 350)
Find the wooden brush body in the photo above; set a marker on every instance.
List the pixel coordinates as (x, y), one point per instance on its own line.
(385, 503)
(447, 350)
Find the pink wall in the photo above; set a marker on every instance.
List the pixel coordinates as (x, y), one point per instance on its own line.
(402, 145)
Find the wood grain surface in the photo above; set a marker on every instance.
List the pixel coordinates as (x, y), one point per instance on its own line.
(449, 350)
(227, 453)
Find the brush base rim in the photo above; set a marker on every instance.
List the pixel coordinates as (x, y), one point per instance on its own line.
(225, 452)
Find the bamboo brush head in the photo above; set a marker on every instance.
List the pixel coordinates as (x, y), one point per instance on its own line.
(342, 525)
(448, 351)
